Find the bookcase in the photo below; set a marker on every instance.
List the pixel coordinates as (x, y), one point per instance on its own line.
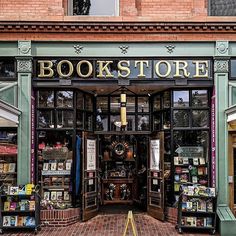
(19, 208)
(8, 160)
(190, 167)
(197, 208)
(56, 163)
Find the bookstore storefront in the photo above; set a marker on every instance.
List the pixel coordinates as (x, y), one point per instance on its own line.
(120, 126)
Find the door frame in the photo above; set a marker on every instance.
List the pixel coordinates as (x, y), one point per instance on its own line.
(156, 210)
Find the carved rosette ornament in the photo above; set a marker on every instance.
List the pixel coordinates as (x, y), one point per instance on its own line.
(24, 48)
(221, 66)
(222, 48)
(170, 48)
(124, 49)
(78, 48)
(24, 66)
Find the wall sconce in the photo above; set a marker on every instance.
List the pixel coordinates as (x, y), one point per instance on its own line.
(123, 109)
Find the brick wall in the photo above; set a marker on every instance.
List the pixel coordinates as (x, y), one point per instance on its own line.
(59, 218)
(56, 9)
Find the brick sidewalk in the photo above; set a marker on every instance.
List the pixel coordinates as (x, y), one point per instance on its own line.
(112, 225)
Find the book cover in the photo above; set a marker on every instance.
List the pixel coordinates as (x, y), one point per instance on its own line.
(29, 221)
(201, 205)
(195, 161)
(46, 196)
(5, 167)
(189, 206)
(176, 187)
(60, 166)
(202, 161)
(53, 195)
(209, 206)
(201, 170)
(32, 205)
(29, 189)
(20, 221)
(184, 178)
(21, 189)
(1, 167)
(6, 221)
(13, 190)
(12, 206)
(176, 160)
(194, 179)
(13, 220)
(53, 165)
(12, 167)
(6, 206)
(185, 161)
(178, 170)
(177, 179)
(208, 222)
(59, 196)
(212, 192)
(66, 196)
(45, 166)
(180, 160)
(68, 165)
(184, 206)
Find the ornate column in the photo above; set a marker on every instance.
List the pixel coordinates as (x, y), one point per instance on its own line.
(221, 69)
(24, 70)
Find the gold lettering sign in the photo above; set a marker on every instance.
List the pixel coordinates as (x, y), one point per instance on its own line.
(121, 68)
(141, 70)
(168, 69)
(90, 70)
(201, 69)
(71, 69)
(104, 68)
(181, 66)
(45, 66)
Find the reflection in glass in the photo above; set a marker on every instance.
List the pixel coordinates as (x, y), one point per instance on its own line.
(181, 98)
(80, 100)
(101, 122)
(45, 119)
(166, 99)
(46, 98)
(157, 122)
(88, 103)
(143, 104)
(166, 120)
(130, 105)
(115, 104)
(89, 122)
(130, 123)
(181, 118)
(200, 118)
(143, 122)
(7, 68)
(114, 122)
(65, 119)
(157, 103)
(102, 104)
(79, 120)
(199, 98)
(64, 99)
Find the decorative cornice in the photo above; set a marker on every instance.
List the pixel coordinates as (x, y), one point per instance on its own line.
(121, 27)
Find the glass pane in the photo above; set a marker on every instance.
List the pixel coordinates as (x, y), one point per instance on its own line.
(79, 120)
(181, 98)
(115, 104)
(88, 103)
(181, 118)
(143, 104)
(130, 105)
(199, 98)
(64, 99)
(200, 118)
(166, 99)
(101, 122)
(130, 123)
(7, 68)
(80, 100)
(89, 122)
(143, 122)
(102, 104)
(65, 119)
(234, 175)
(114, 123)
(45, 119)
(157, 103)
(157, 122)
(166, 120)
(46, 98)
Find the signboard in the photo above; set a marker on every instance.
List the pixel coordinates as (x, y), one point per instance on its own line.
(91, 154)
(155, 155)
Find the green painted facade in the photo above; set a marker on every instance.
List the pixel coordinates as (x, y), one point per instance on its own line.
(220, 52)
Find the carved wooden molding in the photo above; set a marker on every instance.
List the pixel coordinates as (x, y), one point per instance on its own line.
(134, 27)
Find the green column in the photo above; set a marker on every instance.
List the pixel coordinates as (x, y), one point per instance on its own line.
(24, 69)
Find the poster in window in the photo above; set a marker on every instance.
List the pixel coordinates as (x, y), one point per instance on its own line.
(155, 155)
(91, 154)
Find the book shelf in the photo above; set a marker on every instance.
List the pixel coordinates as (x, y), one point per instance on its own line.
(197, 208)
(56, 164)
(19, 209)
(8, 160)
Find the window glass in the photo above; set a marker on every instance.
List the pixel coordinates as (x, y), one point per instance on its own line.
(7, 68)
(157, 122)
(64, 99)
(101, 122)
(199, 98)
(200, 118)
(166, 99)
(95, 7)
(89, 122)
(181, 118)
(46, 98)
(115, 104)
(88, 103)
(79, 120)
(130, 104)
(45, 119)
(80, 100)
(143, 104)
(157, 103)
(181, 98)
(65, 119)
(102, 104)
(143, 122)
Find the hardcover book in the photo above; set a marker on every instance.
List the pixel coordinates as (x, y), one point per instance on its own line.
(60, 166)
(13, 190)
(12, 206)
(20, 221)
(185, 161)
(66, 196)
(195, 161)
(13, 221)
(30, 221)
(46, 196)
(21, 190)
(53, 195)
(5, 167)
(12, 167)
(68, 165)
(31, 205)
(45, 166)
(59, 196)
(53, 165)
(6, 206)
(176, 160)
(6, 221)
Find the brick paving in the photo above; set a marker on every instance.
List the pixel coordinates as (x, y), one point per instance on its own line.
(112, 225)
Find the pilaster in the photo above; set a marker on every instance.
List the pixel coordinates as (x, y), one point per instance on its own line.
(24, 70)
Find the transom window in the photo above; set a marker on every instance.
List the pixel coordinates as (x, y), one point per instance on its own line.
(94, 7)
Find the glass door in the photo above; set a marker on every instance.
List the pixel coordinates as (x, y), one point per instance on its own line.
(155, 202)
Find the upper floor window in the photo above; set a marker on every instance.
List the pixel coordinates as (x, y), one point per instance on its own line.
(222, 7)
(94, 7)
